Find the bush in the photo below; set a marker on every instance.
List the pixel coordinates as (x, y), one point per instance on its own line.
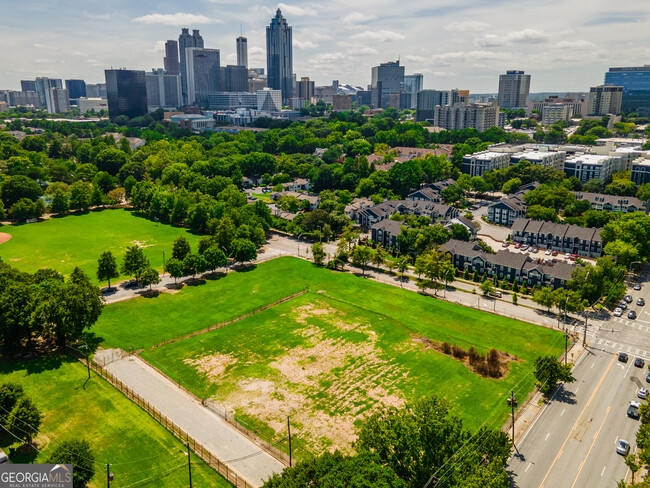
(458, 352)
(446, 348)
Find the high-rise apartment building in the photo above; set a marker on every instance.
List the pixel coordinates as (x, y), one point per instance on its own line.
(203, 74)
(242, 52)
(269, 100)
(76, 88)
(236, 78)
(306, 88)
(279, 56)
(428, 100)
(127, 92)
(386, 79)
(514, 88)
(58, 100)
(480, 116)
(23, 98)
(27, 85)
(636, 88)
(43, 85)
(605, 99)
(412, 85)
(170, 61)
(163, 90)
(186, 41)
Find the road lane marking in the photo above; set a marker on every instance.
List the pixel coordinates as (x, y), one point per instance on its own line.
(577, 390)
(563, 412)
(629, 349)
(547, 436)
(529, 465)
(595, 363)
(600, 383)
(603, 471)
(637, 352)
(582, 464)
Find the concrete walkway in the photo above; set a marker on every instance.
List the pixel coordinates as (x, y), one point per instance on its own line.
(240, 453)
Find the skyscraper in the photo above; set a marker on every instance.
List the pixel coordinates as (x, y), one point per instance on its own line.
(186, 41)
(170, 61)
(236, 78)
(76, 88)
(127, 92)
(163, 89)
(279, 56)
(514, 87)
(605, 100)
(27, 85)
(636, 87)
(387, 79)
(203, 74)
(242, 52)
(43, 85)
(428, 100)
(306, 88)
(412, 85)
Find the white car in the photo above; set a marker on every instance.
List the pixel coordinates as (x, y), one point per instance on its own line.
(643, 393)
(623, 447)
(618, 312)
(548, 253)
(567, 255)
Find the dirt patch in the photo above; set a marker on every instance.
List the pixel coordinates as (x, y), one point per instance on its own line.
(4, 237)
(140, 244)
(213, 366)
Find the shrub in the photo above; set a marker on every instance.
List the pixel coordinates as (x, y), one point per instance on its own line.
(458, 352)
(446, 348)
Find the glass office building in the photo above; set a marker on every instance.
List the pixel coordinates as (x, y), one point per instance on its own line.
(127, 93)
(636, 87)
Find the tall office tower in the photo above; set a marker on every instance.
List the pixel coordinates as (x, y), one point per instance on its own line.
(242, 52)
(412, 85)
(428, 100)
(636, 88)
(279, 56)
(43, 85)
(269, 100)
(163, 89)
(58, 100)
(605, 99)
(186, 41)
(97, 90)
(24, 98)
(27, 85)
(202, 73)
(127, 92)
(514, 88)
(387, 79)
(170, 61)
(76, 88)
(236, 78)
(306, 88)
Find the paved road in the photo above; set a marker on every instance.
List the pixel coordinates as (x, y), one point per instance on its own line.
(572, 443)
(209, 429)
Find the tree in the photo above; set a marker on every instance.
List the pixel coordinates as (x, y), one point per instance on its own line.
(134, 261)
(193, 264)
(215, 257)
(402, 266)
(361, 256)
(149, 277)
(486, 287)
(318, 253)
(180, 248)
(25, 419)
(549, 371)
(17, 187)
(107, 267)
(545, 297)
(78, 453)
(10, 394)
(60, 204)
(81, 195)
(175, 269)
(243, 250)
(631, 463)
(205, 243)
(22, 210)
(378, 257)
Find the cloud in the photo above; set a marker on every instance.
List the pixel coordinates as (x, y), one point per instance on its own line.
(357, 17)
(45, 46)
(297, 11)
(378, 36)
(159, 46)
(616, 18)
(526, 36)
(577, 44)
(467, 26)
(304, 45)
(177, 19)
(97, 16)
(256, 50)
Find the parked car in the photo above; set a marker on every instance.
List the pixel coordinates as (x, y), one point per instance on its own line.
(628, 298)
(517, 245)
(548, 252)
(633, 410)
(647, 378)
(130, 284)
(567, 255)
(618, 312)
(4, 459)
(622, 356)
(640, 302)
(573, 257)
(534, 250)
(524, 247)
(639, 362)
(109, 291)
(623, 447)
(554, 253)
(631, 315)
(623, 305)
(505, 244)
(642, 393)
(637, 286)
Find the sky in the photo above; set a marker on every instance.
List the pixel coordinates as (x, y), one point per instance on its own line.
(565, 45)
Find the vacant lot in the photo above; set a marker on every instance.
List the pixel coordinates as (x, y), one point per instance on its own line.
(327, 357)
(120, 433)
(78, 240)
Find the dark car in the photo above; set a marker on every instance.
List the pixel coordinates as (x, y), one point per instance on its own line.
(640, 302)
(109, 291)
(637, 287)
(622, 356)
(631, 315)
(647, 378)
(130, 284)
(639, 362)
(628, 298)
(622, 305)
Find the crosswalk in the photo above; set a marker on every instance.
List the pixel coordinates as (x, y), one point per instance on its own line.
(598, 327)
(620, 347)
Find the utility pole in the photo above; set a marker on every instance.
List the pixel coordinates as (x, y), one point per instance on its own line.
(108, 475)
(566, 345)
(189, 464)
(289, 429)
(584, 336)
(512, 405)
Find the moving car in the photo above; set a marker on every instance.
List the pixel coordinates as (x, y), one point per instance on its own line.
(633, 410)
(618, 312)
(642, 393)
(631, 315)
(640, 302)
(639, 362)
(628, 298)
(622, 356)
(623, 447)
(637, 286)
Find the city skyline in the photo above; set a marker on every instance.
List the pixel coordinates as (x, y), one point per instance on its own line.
(468, 47)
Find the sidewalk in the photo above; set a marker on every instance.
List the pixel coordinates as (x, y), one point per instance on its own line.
(237, 451)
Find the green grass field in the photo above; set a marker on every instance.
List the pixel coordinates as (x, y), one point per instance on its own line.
(120, 433)
(78, 240)
(328, 356)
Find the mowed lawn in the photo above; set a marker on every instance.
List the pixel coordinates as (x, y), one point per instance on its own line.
(78, 240)
(120, 433)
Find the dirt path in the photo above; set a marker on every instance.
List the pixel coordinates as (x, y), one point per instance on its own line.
(4, 237)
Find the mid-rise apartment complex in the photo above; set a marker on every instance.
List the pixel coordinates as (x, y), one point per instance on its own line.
(605, 99)
(480, 116)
